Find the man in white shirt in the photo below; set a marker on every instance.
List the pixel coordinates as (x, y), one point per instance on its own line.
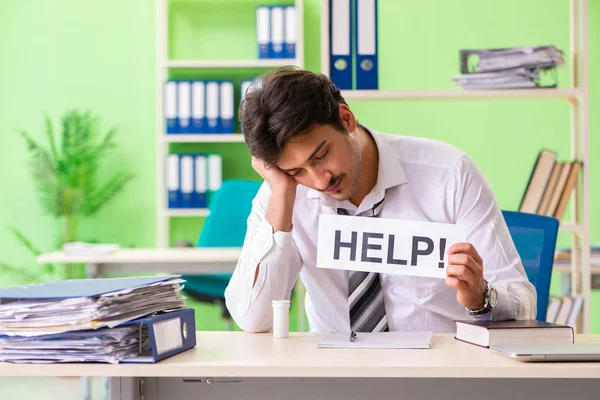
(315, 158)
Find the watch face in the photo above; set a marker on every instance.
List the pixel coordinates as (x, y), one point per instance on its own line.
(493, 297)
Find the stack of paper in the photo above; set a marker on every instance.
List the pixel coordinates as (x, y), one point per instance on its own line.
(519, 67)
(77, 320)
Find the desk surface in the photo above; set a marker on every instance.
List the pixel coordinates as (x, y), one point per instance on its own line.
(238, 354)
(150, 256)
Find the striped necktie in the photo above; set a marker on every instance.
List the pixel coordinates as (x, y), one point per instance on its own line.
(365, 296)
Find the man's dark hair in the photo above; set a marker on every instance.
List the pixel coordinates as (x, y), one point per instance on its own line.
(286, 103)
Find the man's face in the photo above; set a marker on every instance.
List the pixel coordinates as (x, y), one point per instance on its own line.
(324, 159)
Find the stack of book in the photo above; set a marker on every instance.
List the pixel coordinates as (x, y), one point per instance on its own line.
(95, 320)
(565, 310)
(550, 185)
(517, 67)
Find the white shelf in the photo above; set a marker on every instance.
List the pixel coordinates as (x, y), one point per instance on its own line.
(569, 94)
(204, 138)
(266, 63)
(187, 212)
(571, 228)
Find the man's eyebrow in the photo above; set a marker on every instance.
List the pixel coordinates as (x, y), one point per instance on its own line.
(314, 153)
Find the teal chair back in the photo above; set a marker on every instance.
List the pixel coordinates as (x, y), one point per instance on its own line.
(224, 227)
(534, 237)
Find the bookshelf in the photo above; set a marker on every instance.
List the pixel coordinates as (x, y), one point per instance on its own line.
(578, 98)
(165, 67)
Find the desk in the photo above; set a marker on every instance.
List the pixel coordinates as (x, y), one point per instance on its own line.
(230, 365)
(185, 260)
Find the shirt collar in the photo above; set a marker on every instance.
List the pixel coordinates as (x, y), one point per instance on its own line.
(389, 174)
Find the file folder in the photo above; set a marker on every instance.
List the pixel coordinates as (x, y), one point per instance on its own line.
(184, 106)
(215, 175)
(277, 32)
(244, 89)
(170, 333)
(263, 31)
(212, 107)
(187, 180)
(173, 181)
(72, 288)
(198, 107)
(200, 181)
(226, 108)
(291, 32)
(366, 45)
(340, 44)
(171, 107)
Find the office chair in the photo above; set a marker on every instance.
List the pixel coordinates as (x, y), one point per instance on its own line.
(534, 237)
(224, 227)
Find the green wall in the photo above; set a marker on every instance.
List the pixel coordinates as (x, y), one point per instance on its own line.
(60, 54)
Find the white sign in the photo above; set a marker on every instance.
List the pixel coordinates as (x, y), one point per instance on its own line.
(388, 246)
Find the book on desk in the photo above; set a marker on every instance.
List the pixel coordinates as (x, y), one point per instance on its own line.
(492, 333)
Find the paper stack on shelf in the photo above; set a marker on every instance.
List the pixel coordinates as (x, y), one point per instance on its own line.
(519, 67)
(88, 319)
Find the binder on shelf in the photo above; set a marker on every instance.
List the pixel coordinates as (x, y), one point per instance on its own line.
(198, 107)
(277, 32)
(187, 179)
(366, 45)
(173, 181)
(215, 174)
(263, 31)
(212, 107)
(169, 333)
(184, 106)
(200, 181)
(291, 32)
(171, 107)
(244, 89)
(340, 44)
(226, 108)
(538, 180)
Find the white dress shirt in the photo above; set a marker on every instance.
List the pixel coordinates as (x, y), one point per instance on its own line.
(422, 180)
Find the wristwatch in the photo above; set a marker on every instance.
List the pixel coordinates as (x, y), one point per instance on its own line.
(491, 298)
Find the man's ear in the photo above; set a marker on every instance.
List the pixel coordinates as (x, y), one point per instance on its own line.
(348, 118)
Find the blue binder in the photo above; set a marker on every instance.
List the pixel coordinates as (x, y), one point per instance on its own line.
(170, 107)
(173, 180)
(340, 44)
(291, 32)
(366, 45)
(200, 181)
(170, 333)
(277, 32)
(184, 106)
(198, 107)
(226, 109)
(213, 122)
(186, 173)
(263, 31)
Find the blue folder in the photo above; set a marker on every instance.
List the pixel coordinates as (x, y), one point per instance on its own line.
(340, 45)
(367, 76)
(77, 287)
(170, 333)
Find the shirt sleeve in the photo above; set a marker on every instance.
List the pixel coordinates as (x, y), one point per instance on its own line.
(477, 213)
(250, 304)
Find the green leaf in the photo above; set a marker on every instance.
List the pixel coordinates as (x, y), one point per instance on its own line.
(107, 192)
(26, 242)
(51, 139)
(24, 274)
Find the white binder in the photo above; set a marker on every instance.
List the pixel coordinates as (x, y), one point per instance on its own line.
(291, 32)
(227, 111)
(171, 107)
(198, 107)
(184, 106)
(172, 176)
(212, 107)
(341, 44)
(200, 182)
(277, 32)
(263, 31)
(187, 180)
(215, 174)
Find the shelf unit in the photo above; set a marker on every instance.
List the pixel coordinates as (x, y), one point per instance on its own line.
(163, 67)
(577, 96)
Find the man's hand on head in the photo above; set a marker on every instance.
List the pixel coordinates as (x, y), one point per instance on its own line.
(465, 274)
